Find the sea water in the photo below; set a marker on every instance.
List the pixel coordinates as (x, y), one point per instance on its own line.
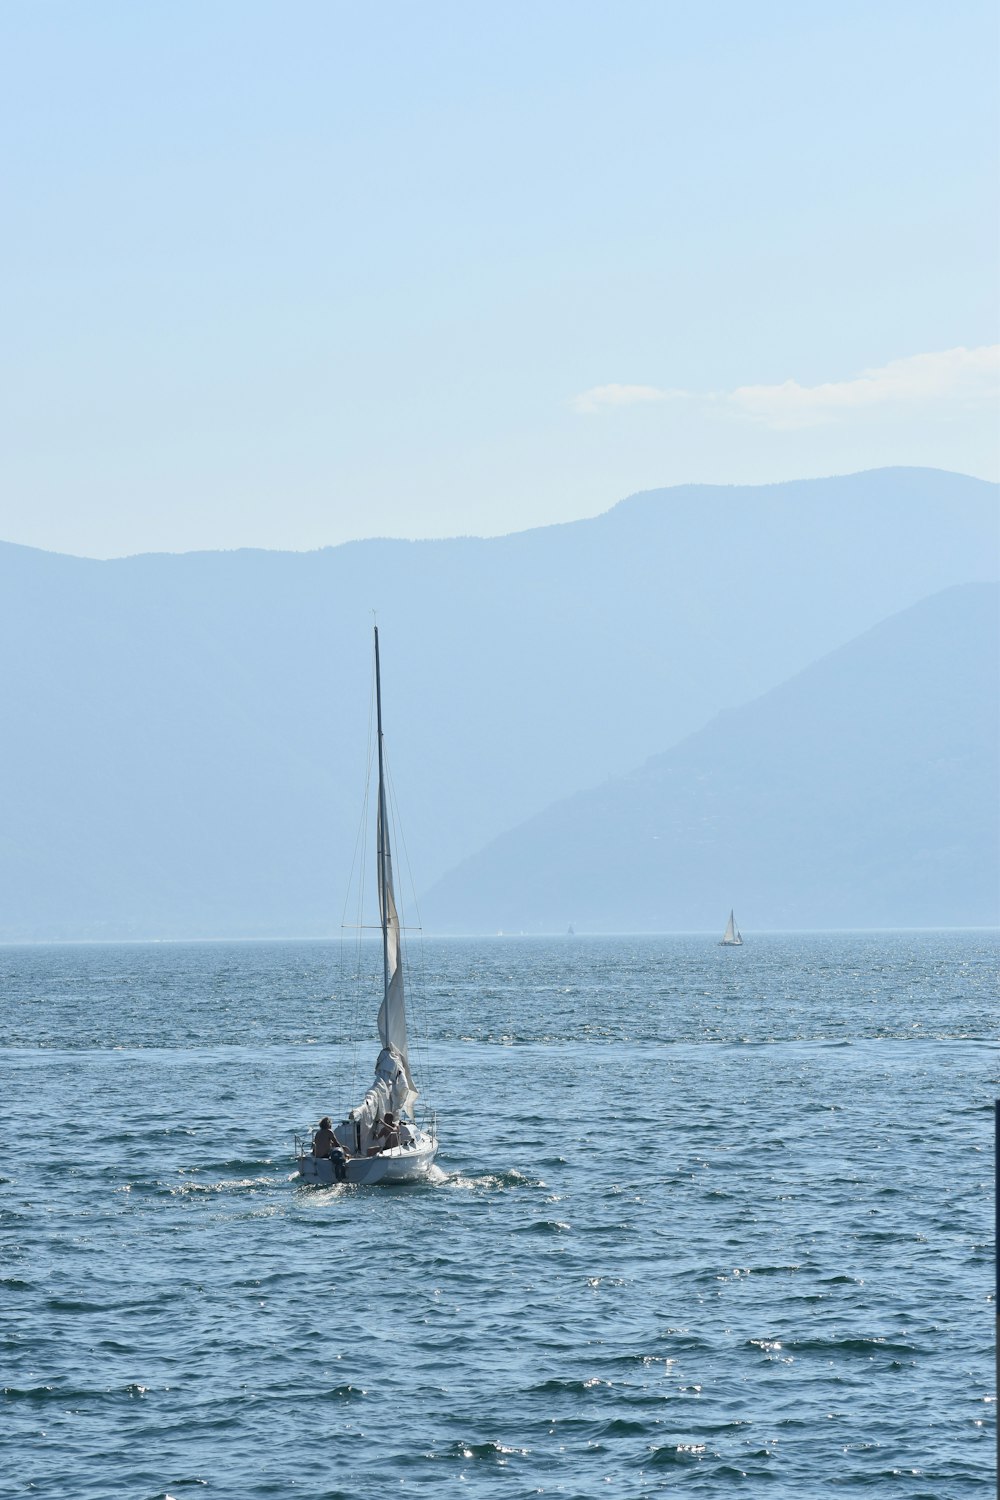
(707, 1220)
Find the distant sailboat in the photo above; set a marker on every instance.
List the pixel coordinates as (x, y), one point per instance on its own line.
(731, 937)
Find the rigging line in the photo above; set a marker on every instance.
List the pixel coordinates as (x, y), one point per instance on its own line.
(359, 837)
(383, 832)
(346, 986)
(416, 991)
(374, 927)
(359, 845)
(397, 830)
(351, 987)
(356, 980)
(406, 852)
(419, 989)
(364, 988)
(358, 984)
(349, 982)
(425, 1069)
(412, 1008)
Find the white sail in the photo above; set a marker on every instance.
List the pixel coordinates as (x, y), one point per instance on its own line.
(392, 1012)
(731, 937)
(390, 1090)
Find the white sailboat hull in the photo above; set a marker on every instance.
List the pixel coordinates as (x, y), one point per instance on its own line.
(397, 1165)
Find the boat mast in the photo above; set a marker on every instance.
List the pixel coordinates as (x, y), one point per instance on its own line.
(382, 827)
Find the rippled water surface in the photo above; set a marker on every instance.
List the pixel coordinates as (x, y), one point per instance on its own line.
(706, 1220)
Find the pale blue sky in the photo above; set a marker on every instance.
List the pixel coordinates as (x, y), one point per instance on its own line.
(284, 275)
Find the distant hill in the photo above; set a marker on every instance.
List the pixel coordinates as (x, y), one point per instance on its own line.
(184, 737)
(865, 792)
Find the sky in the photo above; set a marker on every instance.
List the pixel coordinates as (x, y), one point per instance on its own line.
(282, 276)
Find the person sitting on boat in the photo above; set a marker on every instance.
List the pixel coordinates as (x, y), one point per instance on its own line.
(385, 1135)
(324, 1140)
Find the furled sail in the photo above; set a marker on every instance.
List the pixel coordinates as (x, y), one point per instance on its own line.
(390, 1090)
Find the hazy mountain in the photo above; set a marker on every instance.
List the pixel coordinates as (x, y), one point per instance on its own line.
(865, 792)
(183, 744)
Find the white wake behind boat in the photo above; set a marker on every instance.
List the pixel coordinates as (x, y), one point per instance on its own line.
(379, 1141)
(731, 937)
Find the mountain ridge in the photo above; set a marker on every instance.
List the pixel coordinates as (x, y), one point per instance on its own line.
(924, 475)
(185, 738)
(966, 856)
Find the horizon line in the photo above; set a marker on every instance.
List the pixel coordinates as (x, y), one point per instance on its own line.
(649, 932)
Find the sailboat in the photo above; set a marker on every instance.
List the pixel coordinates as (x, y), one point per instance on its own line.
(731, 937)
(379, 1141)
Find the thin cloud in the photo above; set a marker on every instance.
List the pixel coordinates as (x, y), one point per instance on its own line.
(962, 376)
(601, 397)
(956, 377)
